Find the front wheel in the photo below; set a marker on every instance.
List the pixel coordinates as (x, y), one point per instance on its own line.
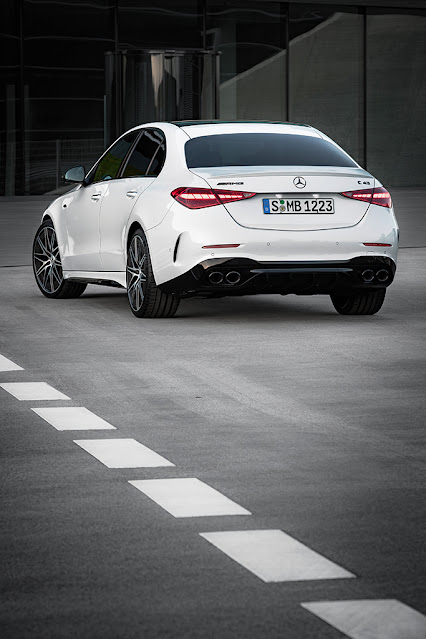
(145, 298)
(359, 303)
(47, 265)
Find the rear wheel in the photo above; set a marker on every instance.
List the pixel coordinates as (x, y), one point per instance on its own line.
(359, 303)
(47, 265)
(145, 298)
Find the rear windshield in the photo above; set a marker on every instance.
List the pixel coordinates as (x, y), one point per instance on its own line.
(263, 149)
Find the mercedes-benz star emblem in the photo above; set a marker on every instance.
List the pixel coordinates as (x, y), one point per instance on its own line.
(299, 182)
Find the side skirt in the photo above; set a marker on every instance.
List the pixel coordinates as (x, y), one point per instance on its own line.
(104, 278)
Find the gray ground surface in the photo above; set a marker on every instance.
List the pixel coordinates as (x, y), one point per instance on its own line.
(311, 420)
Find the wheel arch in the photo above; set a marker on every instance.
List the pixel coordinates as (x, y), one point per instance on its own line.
(135, 225)
(59, 224)
(132, 228)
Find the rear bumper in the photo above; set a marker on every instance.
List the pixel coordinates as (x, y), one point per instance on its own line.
(176, 245)
(243, 276)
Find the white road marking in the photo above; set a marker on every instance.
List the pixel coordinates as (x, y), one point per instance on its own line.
(8, 365)
(371, 619)
(30, 391)
(274, 556)
(73, 418)
(188, 497)
(122, 453)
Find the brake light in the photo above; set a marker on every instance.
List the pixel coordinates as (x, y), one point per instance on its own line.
(198, 198)
(379, 196)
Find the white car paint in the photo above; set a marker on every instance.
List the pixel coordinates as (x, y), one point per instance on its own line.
(92, 235)
(117, 204)
(323, 180)
(81, 228)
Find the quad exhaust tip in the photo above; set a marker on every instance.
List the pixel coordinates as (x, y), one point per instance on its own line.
(367, 275)
(232, 277)
(216, 277)
(382, 275)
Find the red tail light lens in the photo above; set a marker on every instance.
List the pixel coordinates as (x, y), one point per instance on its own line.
(375, 244)
(216, 246)
(378, 195)
(197, 198)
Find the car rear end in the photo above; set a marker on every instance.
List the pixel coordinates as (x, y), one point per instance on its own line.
(281, 209)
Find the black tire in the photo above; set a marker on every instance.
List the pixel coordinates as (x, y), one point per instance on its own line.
(359, 303)
(47, 265)
(145, 298)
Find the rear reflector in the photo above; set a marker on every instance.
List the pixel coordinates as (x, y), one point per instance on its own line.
(198, 198)
(379, 196)
(211, 246)
(375, 244)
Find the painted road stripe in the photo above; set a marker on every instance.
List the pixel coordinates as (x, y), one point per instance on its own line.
(122, 453)
(30, 391)
(188, 497)
(8, 365)
(369, 619)
(73, 418)
(274, 556)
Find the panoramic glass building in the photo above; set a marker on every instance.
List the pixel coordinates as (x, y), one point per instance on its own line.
(77, 73)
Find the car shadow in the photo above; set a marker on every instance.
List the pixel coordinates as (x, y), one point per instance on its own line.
(252, 309)
(264, 308)
(256, 308)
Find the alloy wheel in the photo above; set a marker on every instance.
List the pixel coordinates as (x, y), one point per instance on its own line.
(47, 261)
(136, 273)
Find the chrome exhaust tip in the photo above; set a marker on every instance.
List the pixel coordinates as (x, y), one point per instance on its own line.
(216, 277)
(382, 275)
(233, 277)
(367, 275)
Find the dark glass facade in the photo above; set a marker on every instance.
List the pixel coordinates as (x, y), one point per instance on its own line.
(355, 70)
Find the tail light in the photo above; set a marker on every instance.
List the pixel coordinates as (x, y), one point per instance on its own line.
(379, 196)
(198, 198)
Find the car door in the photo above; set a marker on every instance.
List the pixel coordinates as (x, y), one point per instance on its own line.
(83, 209)
(137, 174)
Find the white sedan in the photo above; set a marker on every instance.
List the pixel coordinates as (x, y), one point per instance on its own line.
(180, 209)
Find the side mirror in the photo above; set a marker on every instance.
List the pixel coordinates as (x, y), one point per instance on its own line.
(76, 174)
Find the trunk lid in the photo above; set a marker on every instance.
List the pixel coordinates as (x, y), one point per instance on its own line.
(279, 184)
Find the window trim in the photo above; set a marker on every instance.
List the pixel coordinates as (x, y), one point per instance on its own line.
(124, 160)
(153, 158)
(124, 164)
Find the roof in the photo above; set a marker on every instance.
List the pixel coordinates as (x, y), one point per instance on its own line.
(181, 123)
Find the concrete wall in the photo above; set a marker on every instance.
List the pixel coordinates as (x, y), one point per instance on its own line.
(326, 90)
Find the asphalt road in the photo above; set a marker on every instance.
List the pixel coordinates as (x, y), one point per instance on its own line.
(311, 421)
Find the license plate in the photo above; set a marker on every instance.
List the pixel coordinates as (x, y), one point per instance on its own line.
(291, 206)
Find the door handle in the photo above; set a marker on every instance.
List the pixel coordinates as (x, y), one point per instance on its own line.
(131, 193)
(95, 197)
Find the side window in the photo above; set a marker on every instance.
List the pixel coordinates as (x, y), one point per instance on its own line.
(143, 154)
(109, 166)
(158, 160)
